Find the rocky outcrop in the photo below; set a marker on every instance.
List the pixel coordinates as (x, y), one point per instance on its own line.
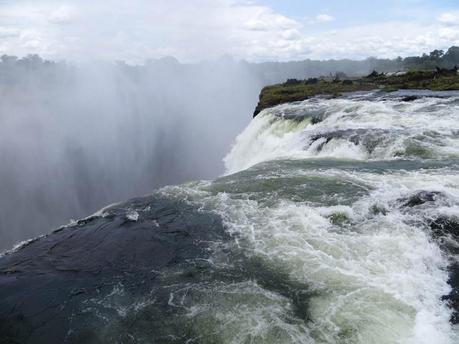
(131, 274)
(298, 90)
(107, 276)
(444, 230)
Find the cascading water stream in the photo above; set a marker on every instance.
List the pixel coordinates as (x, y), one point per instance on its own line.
(339, 221)
(339, 197)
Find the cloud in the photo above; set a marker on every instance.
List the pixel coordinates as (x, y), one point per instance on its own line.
(386, 40)
(205, 29)
(6, 32)
(141, 29)
(264, 19)
(264, 34)
(31, 40)
(63, 15)
(324, 18)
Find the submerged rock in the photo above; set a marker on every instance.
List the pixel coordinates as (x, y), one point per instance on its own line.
(368, 138)
(88, 283)
(410, 98)
(445, 226)
(421, 198)
(446, 230)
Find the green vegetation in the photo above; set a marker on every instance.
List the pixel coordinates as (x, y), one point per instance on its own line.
(436, 58)
(297, 90)
(438, 80)
(291, 92)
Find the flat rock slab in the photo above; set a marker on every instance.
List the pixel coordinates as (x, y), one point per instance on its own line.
(85, 283)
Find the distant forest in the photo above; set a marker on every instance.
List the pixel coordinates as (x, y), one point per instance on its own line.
(273, 72)
(265, 73)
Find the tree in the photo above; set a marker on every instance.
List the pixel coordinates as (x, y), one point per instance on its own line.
(451, 58)
(436, 55)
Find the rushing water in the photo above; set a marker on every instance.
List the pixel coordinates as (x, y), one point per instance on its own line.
(330, 233)
(316, 191)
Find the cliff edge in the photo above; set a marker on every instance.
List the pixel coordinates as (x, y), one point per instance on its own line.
(297, 90)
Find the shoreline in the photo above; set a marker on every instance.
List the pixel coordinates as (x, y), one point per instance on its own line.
(298, 90)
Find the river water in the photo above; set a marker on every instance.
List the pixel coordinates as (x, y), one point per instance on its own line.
(336, 222)
(336, 199)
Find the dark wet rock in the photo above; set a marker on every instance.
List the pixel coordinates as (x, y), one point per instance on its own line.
(446, 231)
(409, 98)
(369, 138)
(420, 198)
(453, 297)
(316, 119)
(131, 275)
(445, 226)
(74, 284)
(300, 114)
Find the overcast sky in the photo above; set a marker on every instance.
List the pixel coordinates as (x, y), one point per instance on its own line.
(194, 30)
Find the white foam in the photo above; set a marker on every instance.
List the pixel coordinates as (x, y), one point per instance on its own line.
(384, 280)
(372, 269)
(132, 215)
(270, 136)
(378, 280)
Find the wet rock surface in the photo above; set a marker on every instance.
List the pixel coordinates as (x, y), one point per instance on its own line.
(133, 274)
(409, 98)
(445, 230)
(86, 283)
(420, 198)
(369, 138)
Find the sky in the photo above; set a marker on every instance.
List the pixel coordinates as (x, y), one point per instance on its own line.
(196, 30)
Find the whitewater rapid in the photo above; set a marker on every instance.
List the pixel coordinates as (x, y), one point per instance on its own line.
(336, 221)
(317, 191)
(356, 128)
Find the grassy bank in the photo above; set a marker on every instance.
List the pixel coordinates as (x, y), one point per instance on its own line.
(297, 90)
